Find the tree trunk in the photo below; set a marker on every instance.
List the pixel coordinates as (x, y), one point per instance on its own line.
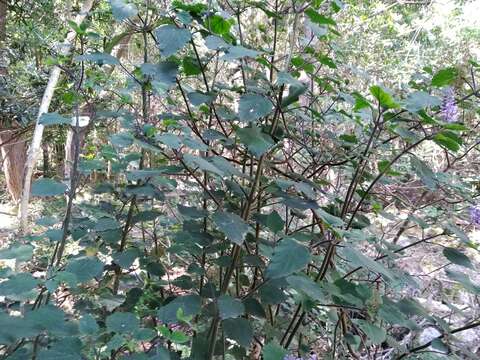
(70, 147)
(14, 155)
(33, 151)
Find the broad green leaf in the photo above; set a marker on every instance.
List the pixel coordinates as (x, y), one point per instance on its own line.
(463, 279)
(238, 52)
(99, 58)
(319, 19)
(375, 334)
(198, 98)
(456, 257)
(273, 221)
(106, 223)
(230, 307)
(252, 107)
(122, 322)
(163, 75)
(273, 351)
(171, 39)
(190, 304)
(53, 119)
(123, 9)
(238, 329)
(126, 258)
(47, 187)
(202, 163)
(420, 100)
(191, 212)
(171, 140)
(214, 42)
(257, 142)
(88, 325)
(85, 268)
(289, 256)
(358, 259)
(18, 284)
(383, 97)
(18, 252)
(231, 225)
(330, 219)
(449, 142)
(444, 77)
(218, 25)
(307, 286)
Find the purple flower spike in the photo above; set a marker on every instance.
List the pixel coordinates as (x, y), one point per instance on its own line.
(449, 109)
(475, 214)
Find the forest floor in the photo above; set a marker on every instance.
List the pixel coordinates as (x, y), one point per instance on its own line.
(8, 221)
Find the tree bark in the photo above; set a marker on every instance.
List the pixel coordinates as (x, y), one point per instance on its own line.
(3, 36)
(33, 151)
(14, 155)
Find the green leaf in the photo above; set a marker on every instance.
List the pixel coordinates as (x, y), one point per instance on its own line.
(383, 97)
(47, 187)
(99, 58)
(444, 77)
(106, 223)
(375, 334)
(85, 268)
(424, 173)
(53, 119)
(289, 256)
(273, 351)
(229, 307)
(456, 257)
(218, 25)
(18, 252)
(307, 286)
(329, 219)
(238, 52)
(202, 163)
(122, 322)
(444, 140)
(126, 258)
(239, 330)
(163, 75)
(319, 19)
(190, 304)
(191, 212)
(215, 43)
(358, 259)
(123, 10)
(463, 279)
(231, 225)
(257, 142)
(88, 325)
(420, 100)
(18, 284)
(273, 221)
(252, 107)
(198, 98)
(171, 39)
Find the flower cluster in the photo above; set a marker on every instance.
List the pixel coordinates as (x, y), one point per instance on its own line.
(293, 357)
(449, 109)
(475, 214)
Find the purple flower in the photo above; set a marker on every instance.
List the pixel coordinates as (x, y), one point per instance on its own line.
(475, 214)
(449, 109)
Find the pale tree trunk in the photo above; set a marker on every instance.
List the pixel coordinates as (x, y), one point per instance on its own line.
(34, 149)
(13, 156)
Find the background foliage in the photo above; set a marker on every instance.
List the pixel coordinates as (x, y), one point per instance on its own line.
(259, 179)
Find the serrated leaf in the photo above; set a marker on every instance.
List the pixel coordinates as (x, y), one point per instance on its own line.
(257, 142)
(171, 39)
(252, 107)
(229, 307)
(18, 284)
(239, 330)
(358, 259)
(123, 9)
(122, 322)
(375, 334)
(383, 97)
(53, 119)
(289, 256)
(444, 77)
(273, 351)
(85, 268)
(456, 257)
(99, 58)
(231, 225)
(18, 252)
(190, 304)
(47, 187)
(424, 173)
